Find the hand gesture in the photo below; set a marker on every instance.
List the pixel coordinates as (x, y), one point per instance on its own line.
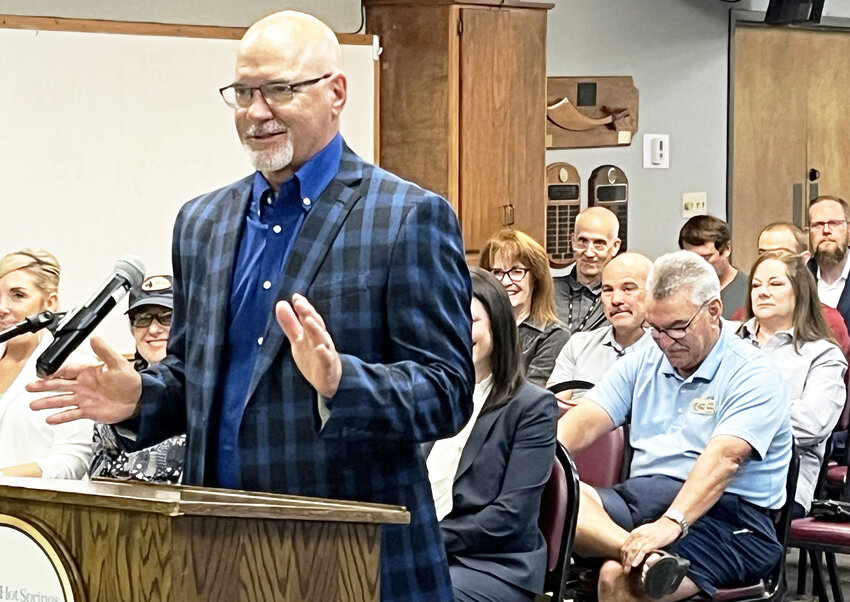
(312, 347)
(108, 392)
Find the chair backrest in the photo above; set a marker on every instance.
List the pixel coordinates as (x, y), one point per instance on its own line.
(603, 463)
(558, 516)
(579, 386)
(782, 521)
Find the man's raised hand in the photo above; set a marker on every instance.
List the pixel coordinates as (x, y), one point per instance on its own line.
(108, 392)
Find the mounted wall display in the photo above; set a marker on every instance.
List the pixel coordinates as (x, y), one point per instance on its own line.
(585, 112)
(563, 190)
(608, 187)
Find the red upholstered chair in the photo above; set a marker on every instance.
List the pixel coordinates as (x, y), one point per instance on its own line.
(558, 515)
(606, 461)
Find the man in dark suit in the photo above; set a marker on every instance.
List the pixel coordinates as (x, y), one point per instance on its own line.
(321, 316)
(828, 240)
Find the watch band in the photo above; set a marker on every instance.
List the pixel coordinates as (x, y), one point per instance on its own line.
(679, 519)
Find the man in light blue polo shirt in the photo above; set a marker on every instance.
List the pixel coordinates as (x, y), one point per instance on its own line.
(712, 443)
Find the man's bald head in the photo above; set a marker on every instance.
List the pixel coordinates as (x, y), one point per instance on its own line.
(295, 37)
(624, 293)
(289, 69)
(630, 262)
(595, 242)
(599, 219)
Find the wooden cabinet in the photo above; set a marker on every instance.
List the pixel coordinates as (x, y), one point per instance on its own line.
(463, 106)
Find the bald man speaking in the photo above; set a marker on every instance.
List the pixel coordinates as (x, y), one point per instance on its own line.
(321, 322)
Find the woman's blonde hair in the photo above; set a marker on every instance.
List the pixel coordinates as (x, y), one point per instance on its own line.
(41, 265)
(514, 245)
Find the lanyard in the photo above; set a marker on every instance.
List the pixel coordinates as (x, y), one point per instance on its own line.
(586, 316)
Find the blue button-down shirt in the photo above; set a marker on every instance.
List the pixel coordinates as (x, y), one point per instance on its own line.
(270, 228)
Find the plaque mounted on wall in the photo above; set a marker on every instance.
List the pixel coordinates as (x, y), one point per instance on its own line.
(584, 112)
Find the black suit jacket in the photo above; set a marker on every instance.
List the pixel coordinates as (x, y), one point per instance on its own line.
(843, 301)
(497, 490)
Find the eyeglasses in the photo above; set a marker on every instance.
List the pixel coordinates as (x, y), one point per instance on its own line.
(143, 319)
(274, 93)
(833, 224)
(581, 244)
(674, 333)
(513, 274)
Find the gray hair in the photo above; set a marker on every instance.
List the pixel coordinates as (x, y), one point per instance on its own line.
(683, 269)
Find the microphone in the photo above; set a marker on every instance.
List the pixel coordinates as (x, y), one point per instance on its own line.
(45, 319)
(78, 324)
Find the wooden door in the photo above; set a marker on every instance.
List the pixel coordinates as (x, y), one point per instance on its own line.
(829, 111)
(769, 151)
(502, 97)
(790, 115)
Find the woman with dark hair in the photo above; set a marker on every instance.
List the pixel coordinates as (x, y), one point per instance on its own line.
(488, 479)
(786, 321)
(522, 266)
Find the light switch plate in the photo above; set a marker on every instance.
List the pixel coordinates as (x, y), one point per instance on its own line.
(694, 203)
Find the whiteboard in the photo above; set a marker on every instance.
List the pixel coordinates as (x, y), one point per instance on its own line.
(103, 137)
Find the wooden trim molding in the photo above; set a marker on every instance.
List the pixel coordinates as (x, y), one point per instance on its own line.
(141, 28)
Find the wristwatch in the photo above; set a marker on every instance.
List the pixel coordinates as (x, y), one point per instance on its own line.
(679, 518)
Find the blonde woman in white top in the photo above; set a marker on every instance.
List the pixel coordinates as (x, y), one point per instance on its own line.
(29, 447)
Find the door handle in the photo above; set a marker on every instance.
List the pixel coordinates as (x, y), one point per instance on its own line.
(797, 204)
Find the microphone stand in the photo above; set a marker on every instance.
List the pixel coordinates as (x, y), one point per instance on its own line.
(45, 319)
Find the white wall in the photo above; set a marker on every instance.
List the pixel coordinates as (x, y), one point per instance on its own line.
(676, 51)
(343, 16)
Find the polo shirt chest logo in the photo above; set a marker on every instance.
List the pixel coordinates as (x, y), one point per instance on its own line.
(703, 405)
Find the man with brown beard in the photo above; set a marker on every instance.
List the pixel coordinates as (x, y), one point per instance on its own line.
(828, 240)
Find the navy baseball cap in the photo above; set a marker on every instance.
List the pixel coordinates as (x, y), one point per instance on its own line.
(154, 290)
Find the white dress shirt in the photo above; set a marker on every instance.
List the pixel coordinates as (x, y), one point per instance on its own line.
(830, 293)
(444, 458)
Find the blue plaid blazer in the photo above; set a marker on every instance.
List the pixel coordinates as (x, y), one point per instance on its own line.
(383, 262)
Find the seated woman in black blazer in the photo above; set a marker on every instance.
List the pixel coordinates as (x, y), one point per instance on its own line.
(488, 479)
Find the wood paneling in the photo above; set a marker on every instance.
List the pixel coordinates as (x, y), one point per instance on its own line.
(416, 124)
(769, 134)
(790, 115)
(147, 545)
(503, 128)
(829, 110)
(463, 107)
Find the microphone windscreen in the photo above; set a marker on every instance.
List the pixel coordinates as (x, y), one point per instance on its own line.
(132, 268)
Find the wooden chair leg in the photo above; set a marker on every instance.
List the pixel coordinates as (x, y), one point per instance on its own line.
(802, 574)
(834, 578)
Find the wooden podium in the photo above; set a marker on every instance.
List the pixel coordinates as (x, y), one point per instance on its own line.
(122, 542)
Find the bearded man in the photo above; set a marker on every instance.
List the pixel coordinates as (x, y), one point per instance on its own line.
(828, 239)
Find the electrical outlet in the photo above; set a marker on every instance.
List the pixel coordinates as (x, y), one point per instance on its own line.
(694, 203)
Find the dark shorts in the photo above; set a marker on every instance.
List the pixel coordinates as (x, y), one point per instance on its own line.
(734, 544)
